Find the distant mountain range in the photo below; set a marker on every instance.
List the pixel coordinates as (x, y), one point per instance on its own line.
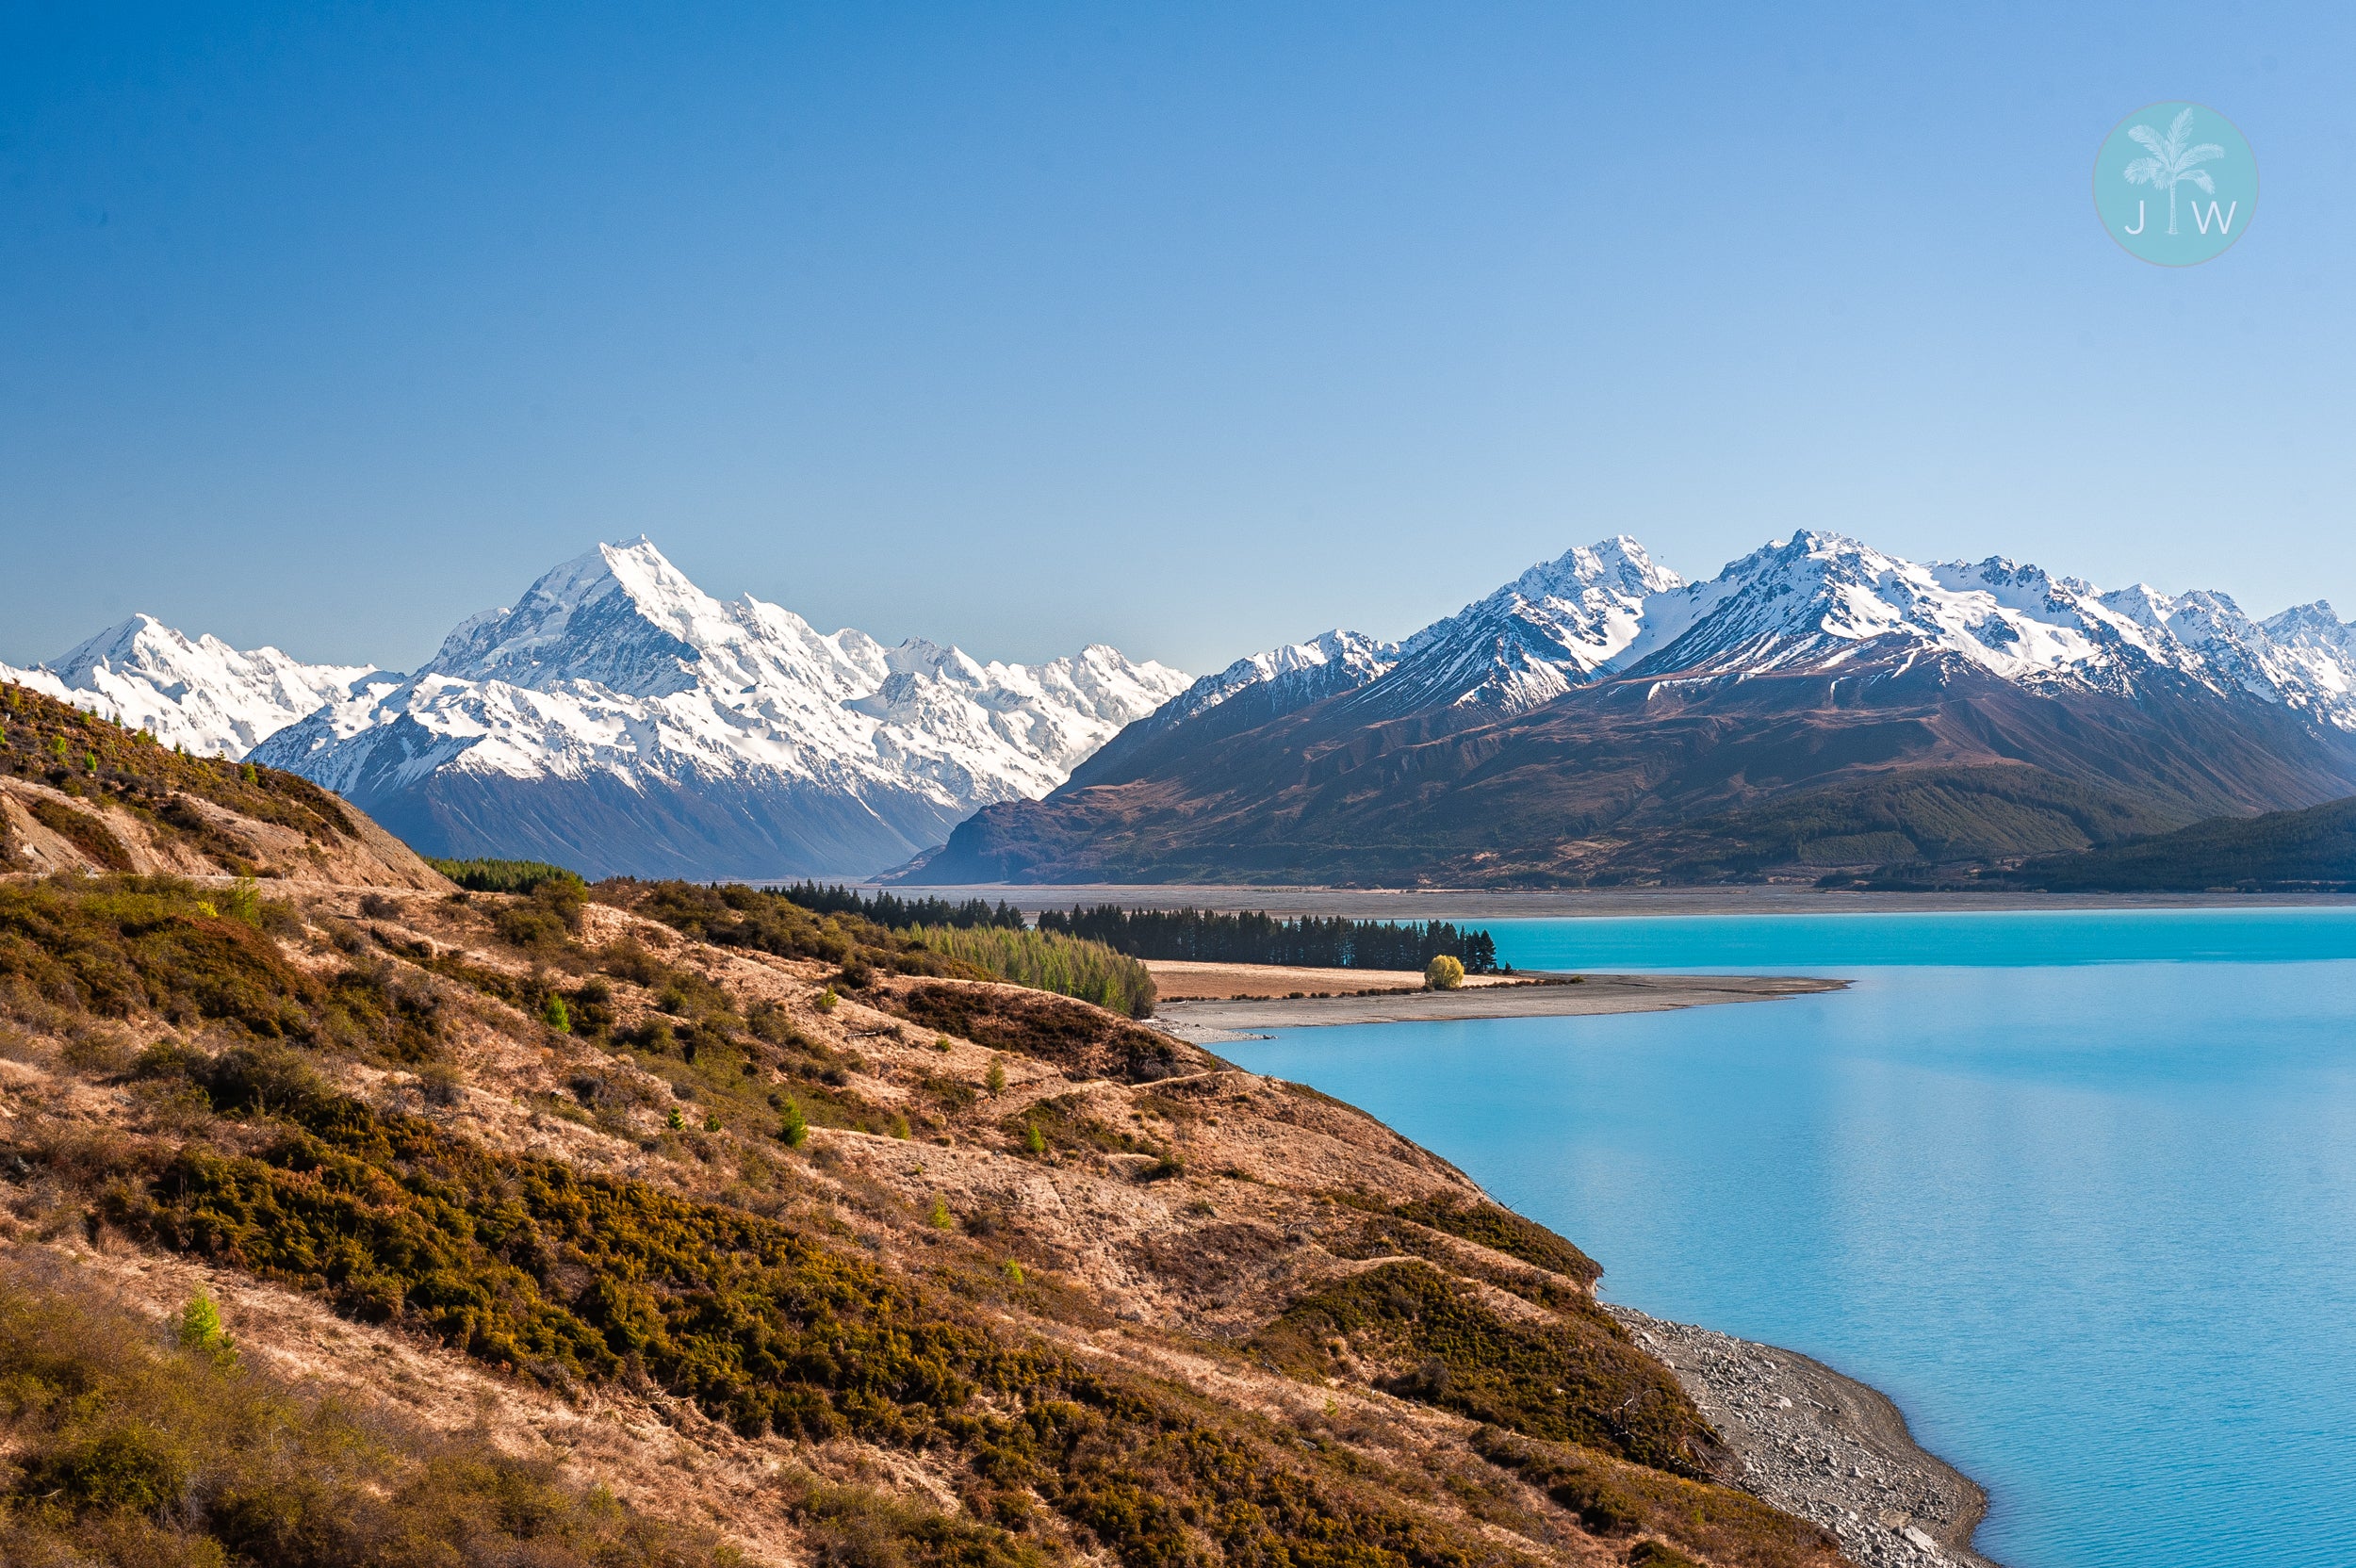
(619, 720)
(198, 693)
(1817, 706)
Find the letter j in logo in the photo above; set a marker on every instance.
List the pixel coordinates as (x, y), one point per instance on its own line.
(2175, 184)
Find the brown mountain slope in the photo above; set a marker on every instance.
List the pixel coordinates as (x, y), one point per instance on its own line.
(1664, 780)
(916, 1271)
(78, 792)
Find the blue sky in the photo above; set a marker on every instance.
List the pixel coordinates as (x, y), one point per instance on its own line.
(1190, 327)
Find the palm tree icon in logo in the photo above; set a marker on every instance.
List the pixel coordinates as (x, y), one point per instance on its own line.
(2172, 161)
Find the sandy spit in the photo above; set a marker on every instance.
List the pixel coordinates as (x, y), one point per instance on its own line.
(1209, 1023)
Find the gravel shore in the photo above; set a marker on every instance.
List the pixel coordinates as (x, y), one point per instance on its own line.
(1824, 1447)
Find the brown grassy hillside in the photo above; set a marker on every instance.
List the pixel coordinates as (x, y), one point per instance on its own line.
(79, 793)
(672, 1226)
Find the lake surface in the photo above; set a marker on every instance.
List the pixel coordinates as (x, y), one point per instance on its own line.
(2077, 1190)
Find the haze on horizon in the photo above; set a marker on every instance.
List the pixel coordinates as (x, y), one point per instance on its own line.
(1188, 330)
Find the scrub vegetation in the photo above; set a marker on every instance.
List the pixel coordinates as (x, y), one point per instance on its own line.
(125, 1449)
(613, 1144)
(82, 755)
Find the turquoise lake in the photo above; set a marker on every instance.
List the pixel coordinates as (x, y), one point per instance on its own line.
(2077, 1190)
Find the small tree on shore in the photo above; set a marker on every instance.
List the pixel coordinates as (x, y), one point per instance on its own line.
(1443, 973)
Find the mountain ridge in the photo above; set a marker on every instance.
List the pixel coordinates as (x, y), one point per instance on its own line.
(199, 692)
(1814, 663)
(618, 718)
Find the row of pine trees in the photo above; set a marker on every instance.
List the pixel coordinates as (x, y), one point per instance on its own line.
(1252, 937)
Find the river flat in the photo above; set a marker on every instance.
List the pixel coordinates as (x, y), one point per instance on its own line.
(2077, 1189)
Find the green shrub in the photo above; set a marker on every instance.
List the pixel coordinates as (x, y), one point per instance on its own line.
(1443, 973)
(1083, 1041)
(1611, 1496)
(795, 1128)
(1501, 1230)
(556, 1015)
(117, 946)
(200, 1330)
(1573, 1378)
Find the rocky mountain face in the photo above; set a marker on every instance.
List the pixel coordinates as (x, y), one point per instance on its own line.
(1818, 705)
(618, 719)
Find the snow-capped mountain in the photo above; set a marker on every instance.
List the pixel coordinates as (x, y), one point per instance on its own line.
(196, 692)
(1817, 704)
(1549, 630)
(1306, 672)
(1822, 600)
(1250, 692)
(619, 719)
(1813, 601)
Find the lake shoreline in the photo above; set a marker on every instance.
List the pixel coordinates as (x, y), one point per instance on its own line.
(1212, 1022)
(1812, 1441)
(1824, 1445)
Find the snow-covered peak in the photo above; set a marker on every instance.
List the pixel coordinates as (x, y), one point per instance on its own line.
(1618, 568)
(1549, 630)
(1824, 601)
(616, 668)
(620, 615)
(1331, 661)
(197, 692)
(1818, 600)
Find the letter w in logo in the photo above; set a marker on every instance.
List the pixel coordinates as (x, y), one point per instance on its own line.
(2224, 224)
